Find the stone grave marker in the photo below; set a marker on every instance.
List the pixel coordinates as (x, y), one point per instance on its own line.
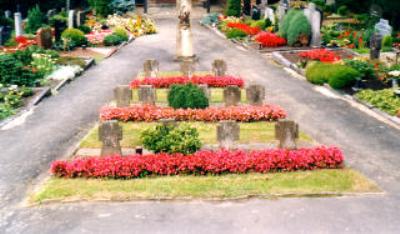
(110, 134)
(376, 46)
(71, 17)
(7, 14)
(19, 31)
(187, 68)
(246, 7)
(59, 27)
(287, 131)
(255, 95)
(80, 18)
(228, 131)
(44, 38)
(168, 122)
(255, 13)
(232, 95)
(123, 95)
(206, 90)
(1, 35)
(314, 17)
(151, 68)
(270, 14)
(147, 94)
(219, 67)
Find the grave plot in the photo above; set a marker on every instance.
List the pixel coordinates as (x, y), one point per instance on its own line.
(192, 146)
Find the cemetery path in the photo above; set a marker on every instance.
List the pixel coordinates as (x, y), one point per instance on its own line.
(59, 122)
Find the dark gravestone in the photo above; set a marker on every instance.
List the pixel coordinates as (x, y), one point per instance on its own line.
(80, 18)
(44, 38)
(246, 7)
(110, 134)
(123, 95)
(1, 35)
(287, 131)
(59, 27)
(228, 131)
(232, 95)
(376, 46)
(255, 13)
(168, 122)
(255, 95)
(219, 67)
(147, 95)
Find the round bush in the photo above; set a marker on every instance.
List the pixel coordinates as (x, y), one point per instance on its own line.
(284, 26)
(120, 32)
(338, 76)
(317, 73)
(343, 10)
(233, 8)
(187, 96)
(299, 26)
(74, 37)
(85, 29)
(112, 40)
(343, 76)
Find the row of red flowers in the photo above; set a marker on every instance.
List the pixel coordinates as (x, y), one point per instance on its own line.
(322, 55)
(244, 28)
(268, 39)
(152, 113)
(200, 163)
(210, 80)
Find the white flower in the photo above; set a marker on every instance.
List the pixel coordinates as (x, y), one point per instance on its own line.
(395, 73)
(13, 87)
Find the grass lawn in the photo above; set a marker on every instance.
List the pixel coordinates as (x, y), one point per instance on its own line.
(254, 132)
(216, 94)
(304, 183)
(165, 74)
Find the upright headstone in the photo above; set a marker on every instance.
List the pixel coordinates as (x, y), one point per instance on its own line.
(147, 95)
(286, 132)
(44, 38)
(71, 16)
(110, 134)
(59, 27)
(383, 28)
(269, 14)
(255, 13)
(219, 67)
(228, 131)
(151, 68)
(187, 68)
(123, 95)
(168, 122)
(375, 45)
(232, 95)
(255, 95)
(282, 8)
(80, 18)
(314, 17)
(246, 7)
(5, 34)
(18, 24)
(205, 89)
(1, 35)
(7, 14)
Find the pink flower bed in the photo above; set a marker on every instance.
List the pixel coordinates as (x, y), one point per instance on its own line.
(211, 81)
(200, 163)
(97, 38)
(153, 113)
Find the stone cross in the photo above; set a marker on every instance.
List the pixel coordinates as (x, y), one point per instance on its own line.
(219, 67)
(232, 95)
(71, 15)
(287, 131)
(147, 95)
(19, 31)
(151, 68)
(205, 89)
(110, 134)
(228, 131)
(123, 95)
(187, 68)
(314, 17)
(376, 46)
(44, 38)
(255, 95)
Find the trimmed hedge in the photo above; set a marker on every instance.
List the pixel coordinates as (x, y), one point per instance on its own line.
(187, 96)
(338, 76)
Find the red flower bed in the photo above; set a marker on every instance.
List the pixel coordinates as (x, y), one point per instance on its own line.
(268, 39)
(322, 55)
(245, 28)
(200, 163)
(211, 81)
(152, 113)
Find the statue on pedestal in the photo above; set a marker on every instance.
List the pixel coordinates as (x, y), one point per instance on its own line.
(184, 44)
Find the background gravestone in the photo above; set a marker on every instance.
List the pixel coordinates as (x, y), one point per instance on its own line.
(206, 90)
(80, 18)
(270, 14)
(314, 17)
(287, 131)
(228, 131)
(1, 35)
(187, 68)
(246, 7)
(44, 38)
(7, 14)
(219, 67)
(151, 68)
(168, 122)
(110, 134)
(123, 95)
(255, 94)
(376, 46)
(71, 17)
(147, 95)
(19, 31)
(232, 95)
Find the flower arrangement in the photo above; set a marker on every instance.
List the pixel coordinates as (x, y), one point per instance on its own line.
(153, 113)
(244, 27)
(200, 163)
(322, 55)
(24, 42)
(268, 39)
(210, 80)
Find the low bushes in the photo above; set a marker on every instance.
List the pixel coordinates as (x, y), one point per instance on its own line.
(385, 100)
(232, 33)
(14, 72)
(338, 76)
(268, 39)
(211, 81)
(187, 96)
(152, 113)
(117, 37)
(200, 163)
(73, 37)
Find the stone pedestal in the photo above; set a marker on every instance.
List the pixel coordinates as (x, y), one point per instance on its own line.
(255, 95)
(228, 131)
(376, 46)
(71, 17)
(219, 67)
(151, 68)
(184, 41)
(287, 131)
(110, 134)
(44, 38)
(147, 95)
(123, 95)
(232, 95)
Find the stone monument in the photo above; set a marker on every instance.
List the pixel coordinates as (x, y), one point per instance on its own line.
(151, 68)
(314, 17)
(184, 42)
(110, 134)
(44, 38)
(19, 31)
(71, 15)
(228, 131)
(287, 131)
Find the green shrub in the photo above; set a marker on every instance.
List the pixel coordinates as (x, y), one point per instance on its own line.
(233, 8)
(317, 73)
(284, 26)
(25, 56)
(5, 111)
(299, 26)
(85, 29)
(260, 23)
(14, 72)
(112, 40)
(73, 37)
(343, 10)
(171, 139)
(365, 69)
(235, 33)
(338, 76)
(121, 32)
(187, 96)
(35, 20)
(385, 100)
(387, 41)
(100, 6)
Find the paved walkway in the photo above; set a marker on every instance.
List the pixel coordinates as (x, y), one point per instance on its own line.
(59, 122)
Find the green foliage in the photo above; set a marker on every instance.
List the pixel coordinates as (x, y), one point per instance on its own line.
(284, 27)
(121, 32)
(318, 73)
(365, 69)
(5, 111)
(343, 10)
(338, 76)
(233, 8)
(260, 23)
(101, 7)
(25, 56)
(385, 100)
(73, 37)
(112, 40)
(35, 20)
(60, 17)
(85, 29)
(387, 41)
(171, 139)
(14, 72)
(187, 96)
(299, 26)
(5, 21)
(234, 33)
(44, 63)
(122, 6)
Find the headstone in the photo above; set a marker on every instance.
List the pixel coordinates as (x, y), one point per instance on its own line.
(269, 14)
(44, 38)
(255, 95)
(151, 68)
(1, 35)
(59, 27)
(123, 95)
(287, 131)
(219, 67)
(187, 68)
(383, 28)
(228, 131)
(375, 45)
(7, 14)
(147, 95)
(205, 89)
(71, 16)
(246, 7)
(232, 95)
(255, 13)
(281, 11)
(168, 122)
(110, 134)
(18, 24)
(314, 17)
(80, 18)
(5, 34)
